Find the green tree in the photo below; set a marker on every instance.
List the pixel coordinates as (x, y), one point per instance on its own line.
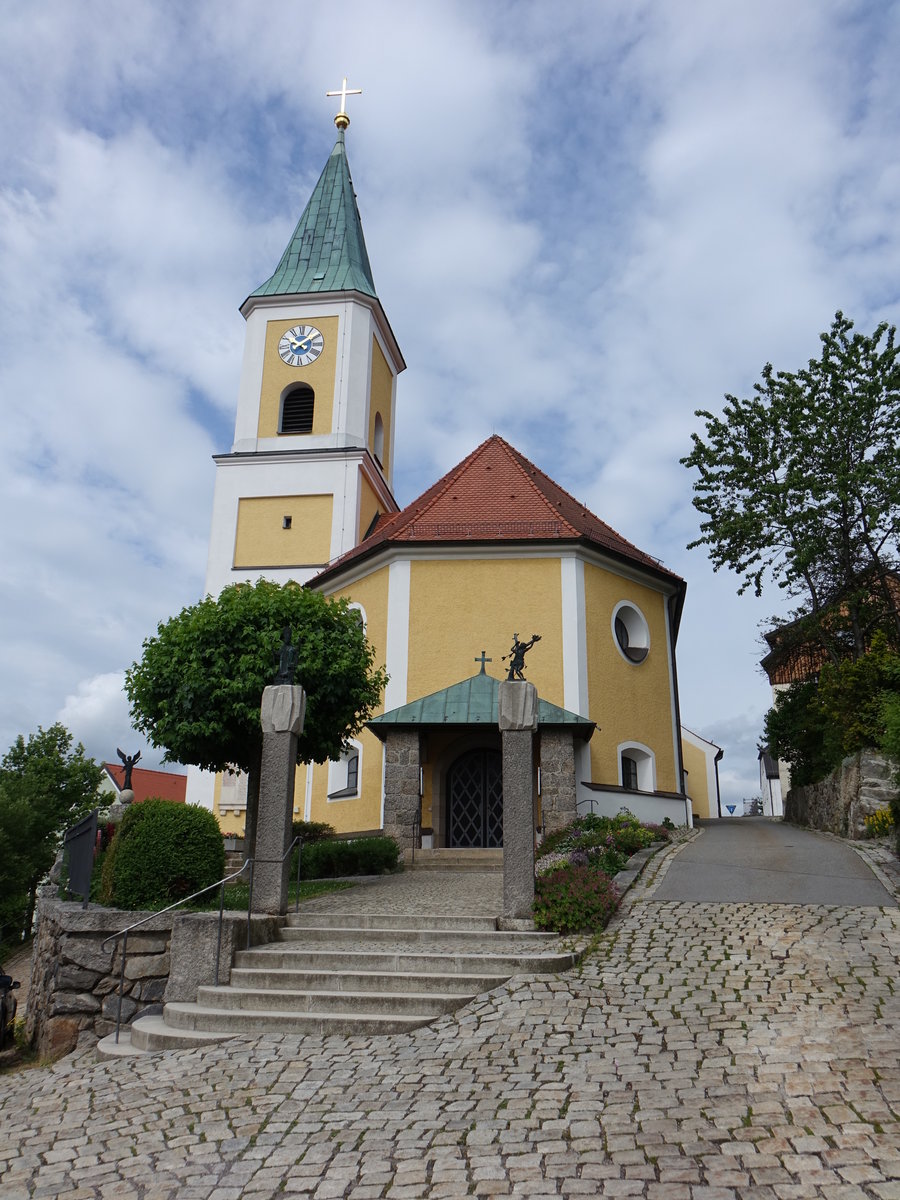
(813, 725)
(45, 786)
(197, 689)
(801, 483)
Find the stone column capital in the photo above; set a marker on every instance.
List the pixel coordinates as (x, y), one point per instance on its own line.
(518, 705)
(283, 709)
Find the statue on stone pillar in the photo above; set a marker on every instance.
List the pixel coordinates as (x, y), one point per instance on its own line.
(287, 658)
(129, 761)
(517, 654)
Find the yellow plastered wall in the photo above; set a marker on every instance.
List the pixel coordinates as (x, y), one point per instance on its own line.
(277, 375)
(457, 608)
(364, 812)
(262, 541)
(629, 702)
(368, 506)
(380, 393)
(695, 763)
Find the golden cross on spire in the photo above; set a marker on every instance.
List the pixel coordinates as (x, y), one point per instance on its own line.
(342, 120)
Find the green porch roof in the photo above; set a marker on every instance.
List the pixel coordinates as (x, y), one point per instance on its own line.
(473, 701)
(327, 252)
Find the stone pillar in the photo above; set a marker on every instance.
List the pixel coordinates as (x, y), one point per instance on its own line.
(518, 722)
(281, 716)
(402, 764)
(558, 792)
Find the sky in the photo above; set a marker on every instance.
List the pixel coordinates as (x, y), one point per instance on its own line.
(586, 220)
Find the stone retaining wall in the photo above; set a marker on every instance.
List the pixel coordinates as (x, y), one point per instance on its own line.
(861, 785)
(74, 981)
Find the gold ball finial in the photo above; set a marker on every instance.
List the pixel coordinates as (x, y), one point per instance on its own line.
(342, 120)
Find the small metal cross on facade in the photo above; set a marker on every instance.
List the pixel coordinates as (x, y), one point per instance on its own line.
(483, 660)
(342, 120)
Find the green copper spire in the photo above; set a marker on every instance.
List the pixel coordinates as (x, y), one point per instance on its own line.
(327, 252)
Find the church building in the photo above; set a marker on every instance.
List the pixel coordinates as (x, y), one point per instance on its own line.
(493, 549)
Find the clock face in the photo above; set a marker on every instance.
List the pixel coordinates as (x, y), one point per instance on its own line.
(301, 345)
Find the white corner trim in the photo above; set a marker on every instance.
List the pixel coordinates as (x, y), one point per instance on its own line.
(397, 640)
(574, 636)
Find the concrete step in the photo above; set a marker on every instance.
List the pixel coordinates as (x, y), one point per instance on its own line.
(403, 937)
(155, 1033)
(355, 920)
(279, 956)
(395, 982)
(108, 1047)
(203, 1021)
(446, 859)
(427, 1004)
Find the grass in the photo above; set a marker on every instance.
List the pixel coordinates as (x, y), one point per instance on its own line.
(236, 894)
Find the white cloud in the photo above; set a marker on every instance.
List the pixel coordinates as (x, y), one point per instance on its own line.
(585, 221)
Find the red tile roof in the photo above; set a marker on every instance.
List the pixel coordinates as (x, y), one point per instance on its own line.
(497, 495)
(161, 785)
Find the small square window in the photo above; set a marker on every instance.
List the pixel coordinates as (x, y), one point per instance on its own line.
(286, 522)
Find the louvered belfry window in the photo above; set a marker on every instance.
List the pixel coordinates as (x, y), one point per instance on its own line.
(297, 410)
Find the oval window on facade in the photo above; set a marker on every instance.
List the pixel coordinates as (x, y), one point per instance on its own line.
(631, 632)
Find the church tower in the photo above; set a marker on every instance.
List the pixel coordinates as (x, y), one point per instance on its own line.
(312, 459)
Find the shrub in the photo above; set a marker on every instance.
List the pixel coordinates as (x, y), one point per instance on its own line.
(361, 856)
(312, 831)
(574, 899)
(163, 852)
(879, 823)
(622, 833)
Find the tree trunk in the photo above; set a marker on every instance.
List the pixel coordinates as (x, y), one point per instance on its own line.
(253, 778)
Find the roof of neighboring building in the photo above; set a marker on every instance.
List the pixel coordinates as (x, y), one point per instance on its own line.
(160, 785)
(497, 495)
(473, 701)
(327, 251)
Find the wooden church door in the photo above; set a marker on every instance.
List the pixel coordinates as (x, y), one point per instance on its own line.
(475, 800)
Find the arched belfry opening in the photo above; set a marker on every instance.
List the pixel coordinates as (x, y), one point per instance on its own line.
(297, 409)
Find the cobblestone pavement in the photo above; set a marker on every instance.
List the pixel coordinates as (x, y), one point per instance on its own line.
(701, 1052)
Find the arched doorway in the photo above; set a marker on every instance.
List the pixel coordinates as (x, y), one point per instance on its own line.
(475, 800)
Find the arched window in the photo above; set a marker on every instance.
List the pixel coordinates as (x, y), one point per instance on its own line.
(379, 439)
(297, 405)
(637, 767)
(343, 775)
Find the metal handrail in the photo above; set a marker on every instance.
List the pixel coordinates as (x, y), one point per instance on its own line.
(417, 836)
(123, 933)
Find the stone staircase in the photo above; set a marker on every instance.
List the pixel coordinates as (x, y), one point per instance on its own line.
(348, 973)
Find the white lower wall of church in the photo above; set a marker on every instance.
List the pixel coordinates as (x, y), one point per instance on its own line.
(645, 807)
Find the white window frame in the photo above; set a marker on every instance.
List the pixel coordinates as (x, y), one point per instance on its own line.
(646, 764)
(638, 630)
(337, 774)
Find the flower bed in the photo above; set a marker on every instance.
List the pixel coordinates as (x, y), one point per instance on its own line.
(574, 889)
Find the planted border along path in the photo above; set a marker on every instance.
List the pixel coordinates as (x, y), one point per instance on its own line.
(704, 1051)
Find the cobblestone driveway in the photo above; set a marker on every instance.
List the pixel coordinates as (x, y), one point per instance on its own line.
(702, 1052)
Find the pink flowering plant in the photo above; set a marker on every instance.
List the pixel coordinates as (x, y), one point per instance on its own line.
(574, 889)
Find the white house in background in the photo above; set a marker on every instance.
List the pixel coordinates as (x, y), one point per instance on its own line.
(770, 784)
(701, 775)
